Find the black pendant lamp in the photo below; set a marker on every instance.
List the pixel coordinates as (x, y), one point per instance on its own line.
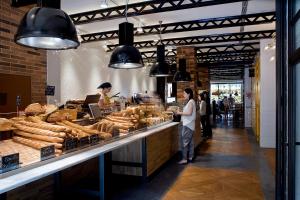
(47, 28)
(182, 75)
(126, 56)
(161, 68)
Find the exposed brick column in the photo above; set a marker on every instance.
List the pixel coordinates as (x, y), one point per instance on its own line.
(187, 53)
(19, 60)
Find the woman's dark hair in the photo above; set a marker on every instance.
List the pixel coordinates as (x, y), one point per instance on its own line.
(190, 92)
(202, 96)
(104, 85)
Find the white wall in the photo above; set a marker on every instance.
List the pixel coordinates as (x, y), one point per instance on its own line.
(247, 98)
(79, 72)
(267, 95)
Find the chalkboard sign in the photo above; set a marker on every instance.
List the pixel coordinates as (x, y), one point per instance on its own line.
(50, 90)
(71, 143)
(47, 152)
(9, 162)
(84, 141)
(94, 139)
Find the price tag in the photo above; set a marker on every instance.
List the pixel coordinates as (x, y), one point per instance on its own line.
(71, 143)
(94, 139)
(84, 141)
(47, 152)
(9, 162)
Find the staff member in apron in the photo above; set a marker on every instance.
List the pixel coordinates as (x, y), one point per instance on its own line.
(104, 100)
(188, 121)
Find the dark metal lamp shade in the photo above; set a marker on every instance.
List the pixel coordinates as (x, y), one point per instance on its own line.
(182, 75)
(126, 56)
(47, 28)
(160, 68)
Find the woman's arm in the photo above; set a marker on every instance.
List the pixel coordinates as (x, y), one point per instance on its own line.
(189, 110)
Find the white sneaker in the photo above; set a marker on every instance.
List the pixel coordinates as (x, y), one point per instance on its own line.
(183, 161)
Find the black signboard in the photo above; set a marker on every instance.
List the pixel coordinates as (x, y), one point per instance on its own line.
(50, 90)
(94, 139)
(47, 152)
(84, 141)
(9, 162)
(71, 143)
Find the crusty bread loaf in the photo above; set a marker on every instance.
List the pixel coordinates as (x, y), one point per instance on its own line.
(39, 131)
(34, 108)
(47, 126)
(104, 135)
(29, 142)
(87, 130)
(39, 137)
(5, 124)
(75, 132)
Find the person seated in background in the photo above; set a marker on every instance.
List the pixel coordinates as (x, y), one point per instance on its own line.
(231, 101)
(104, 100)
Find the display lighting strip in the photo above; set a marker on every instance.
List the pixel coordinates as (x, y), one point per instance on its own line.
(142, 8)
(228, 37)
(221, 22)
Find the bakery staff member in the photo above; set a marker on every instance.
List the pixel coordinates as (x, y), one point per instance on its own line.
(104, 100)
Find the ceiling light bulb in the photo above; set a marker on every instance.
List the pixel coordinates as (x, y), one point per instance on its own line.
(266, 47)
(169, 49)
(155, 40)
(273, 47)
(140, 30)
(103, 4)
(272, 58)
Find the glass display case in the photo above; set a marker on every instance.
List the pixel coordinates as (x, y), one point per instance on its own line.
(44, 134)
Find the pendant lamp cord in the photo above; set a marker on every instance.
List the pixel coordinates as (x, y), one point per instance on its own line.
(126, 9)
(160, 22)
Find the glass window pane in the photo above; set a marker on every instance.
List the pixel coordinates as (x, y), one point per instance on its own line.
(297, 173)
(297, 88)
(296, 6)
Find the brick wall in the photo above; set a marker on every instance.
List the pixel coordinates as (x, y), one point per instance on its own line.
(15, 59)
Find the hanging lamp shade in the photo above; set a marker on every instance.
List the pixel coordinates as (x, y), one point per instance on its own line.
(126, 56)
(161, 68)
(47, 28)
(182, 75)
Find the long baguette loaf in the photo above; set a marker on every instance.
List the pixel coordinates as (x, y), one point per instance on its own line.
(75, 132)
(39, 131)
(36, 119)
(87, 130)
(122, 118)
(119, 121)
(39, 137)
(49, 127)
(28, 142)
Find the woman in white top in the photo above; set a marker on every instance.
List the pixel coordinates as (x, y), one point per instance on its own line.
(188, 121)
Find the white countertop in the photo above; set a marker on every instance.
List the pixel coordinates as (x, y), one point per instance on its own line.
(71, 159)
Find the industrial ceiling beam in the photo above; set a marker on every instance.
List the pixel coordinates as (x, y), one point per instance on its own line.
(228, 37)
(202, 24)
(143, 8)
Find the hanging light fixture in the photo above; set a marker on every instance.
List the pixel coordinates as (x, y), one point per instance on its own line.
(47, 27)
(182, 75)
(161, 68)
(126, 56)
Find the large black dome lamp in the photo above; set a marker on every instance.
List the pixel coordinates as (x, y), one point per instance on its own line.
(160, 68)
(47, 28)
(182, 75)
(126, 56)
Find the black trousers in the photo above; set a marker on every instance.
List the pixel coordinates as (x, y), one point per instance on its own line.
(203, 119)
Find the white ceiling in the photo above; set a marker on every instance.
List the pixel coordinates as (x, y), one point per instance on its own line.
(254, 6)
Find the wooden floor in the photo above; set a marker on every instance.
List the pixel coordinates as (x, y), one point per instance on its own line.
(219, 171)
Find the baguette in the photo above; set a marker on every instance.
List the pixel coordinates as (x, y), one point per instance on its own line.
(39, 131)
(75, 132)
(118, 121)
(39, 137)
(122, 118)
(46, 126)
(36, 119)
(28, 142)
(123, 131)
(82, 128)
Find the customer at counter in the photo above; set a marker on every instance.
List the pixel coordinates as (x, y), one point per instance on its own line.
(104, 100)
(188, 121)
